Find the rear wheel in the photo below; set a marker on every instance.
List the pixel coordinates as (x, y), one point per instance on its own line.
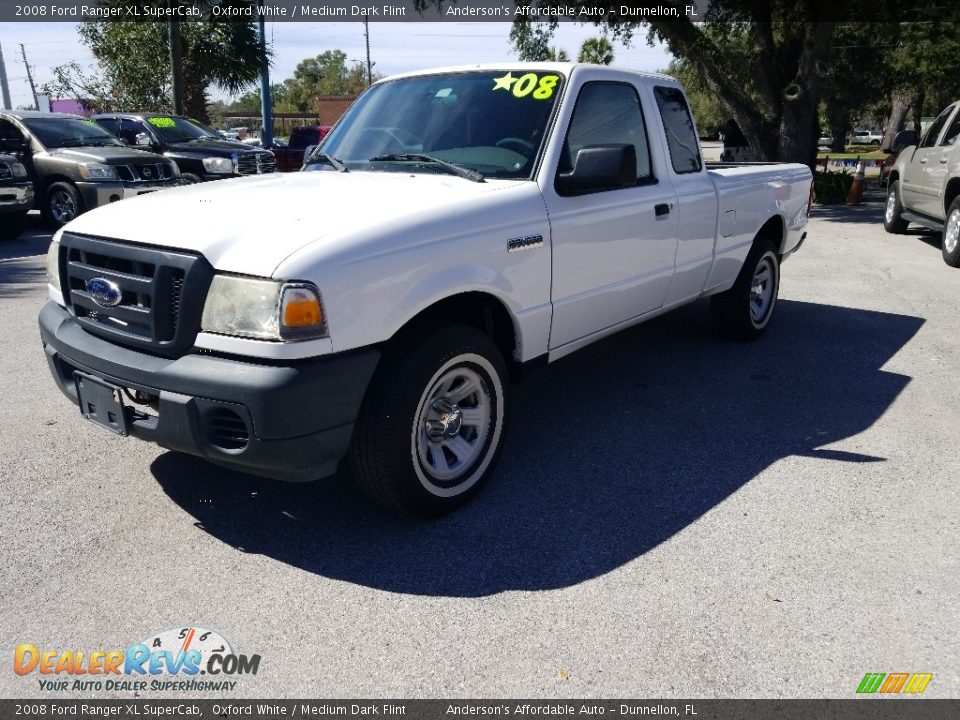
(431, 427)
(63, 203)
(950, 246)
(892, 222)
(12, 225)
(744, 311)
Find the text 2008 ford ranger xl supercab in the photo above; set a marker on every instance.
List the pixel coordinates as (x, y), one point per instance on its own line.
(456, 226)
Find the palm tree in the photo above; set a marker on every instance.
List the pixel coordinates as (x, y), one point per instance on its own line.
(597, 50)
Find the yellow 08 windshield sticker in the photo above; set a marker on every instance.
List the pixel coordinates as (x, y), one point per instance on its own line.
(539, 87)
(161, 122)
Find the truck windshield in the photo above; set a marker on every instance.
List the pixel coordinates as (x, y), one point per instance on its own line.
(491, 122)
(178, 129)
(60, 132)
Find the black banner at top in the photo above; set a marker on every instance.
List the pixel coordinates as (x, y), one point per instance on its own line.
(583, 11)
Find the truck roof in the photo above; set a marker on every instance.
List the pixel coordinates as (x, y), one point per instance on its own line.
(565, 68)
(28, 114)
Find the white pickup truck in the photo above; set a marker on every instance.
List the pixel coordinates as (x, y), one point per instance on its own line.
(456, 227)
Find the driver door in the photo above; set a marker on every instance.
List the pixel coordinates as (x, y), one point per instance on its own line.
(613, 250)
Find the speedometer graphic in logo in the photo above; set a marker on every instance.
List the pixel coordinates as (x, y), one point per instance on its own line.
(186, 639)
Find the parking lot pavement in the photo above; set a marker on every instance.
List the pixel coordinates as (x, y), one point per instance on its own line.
(674, 515)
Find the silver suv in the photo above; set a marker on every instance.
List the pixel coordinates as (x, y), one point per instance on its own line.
(924, 186)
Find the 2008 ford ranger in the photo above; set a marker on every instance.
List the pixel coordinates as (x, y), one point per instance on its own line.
(455, 227)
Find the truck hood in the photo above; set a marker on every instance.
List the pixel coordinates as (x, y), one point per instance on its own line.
(250, 225)
(213, 147)
(108, 155)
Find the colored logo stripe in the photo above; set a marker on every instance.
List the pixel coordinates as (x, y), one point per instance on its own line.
(894, 682)
(918, 682)
(871, 682)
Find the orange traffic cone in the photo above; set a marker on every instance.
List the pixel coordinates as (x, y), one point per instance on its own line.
(856, 190)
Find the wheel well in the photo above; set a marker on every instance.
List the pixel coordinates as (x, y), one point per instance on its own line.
(950, 194)
(894, 177)
(480, 310)
(772, 230)
(54, 179)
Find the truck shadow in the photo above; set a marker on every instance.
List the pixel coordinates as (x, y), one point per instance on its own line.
(610, 452)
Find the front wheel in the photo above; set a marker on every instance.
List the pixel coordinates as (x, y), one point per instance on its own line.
(892, 220)
(63, 203)
(432, 424)
(744, 311)
(950, 246)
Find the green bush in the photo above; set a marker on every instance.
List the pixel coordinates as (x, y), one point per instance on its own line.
(832, 186)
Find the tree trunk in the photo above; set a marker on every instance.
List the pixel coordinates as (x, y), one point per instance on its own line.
(902, 102)
(839, 118)
(918, 111)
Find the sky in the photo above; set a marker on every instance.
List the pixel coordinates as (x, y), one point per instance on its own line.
(394, 47)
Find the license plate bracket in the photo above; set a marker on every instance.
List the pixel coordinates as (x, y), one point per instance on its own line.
(101, 403)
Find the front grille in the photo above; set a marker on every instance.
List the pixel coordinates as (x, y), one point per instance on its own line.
(256, 163)
(149, 173)
(159, 294)
(227, 429)
(6, 172)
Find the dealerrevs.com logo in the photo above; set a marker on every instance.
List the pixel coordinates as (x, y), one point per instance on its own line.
(168, 661)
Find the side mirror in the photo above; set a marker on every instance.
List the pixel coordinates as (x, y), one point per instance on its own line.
(143, 140)
(600, 167)
(904, 139)
(306, 153)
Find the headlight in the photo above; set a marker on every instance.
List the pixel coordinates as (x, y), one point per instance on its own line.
(53, 263)
(97, 171)
(18, 170)
(263, 309)
(218, 166)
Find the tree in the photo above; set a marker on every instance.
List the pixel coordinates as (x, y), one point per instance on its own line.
(326, 74)
(708, 111)
(134, 64)
(596, 50)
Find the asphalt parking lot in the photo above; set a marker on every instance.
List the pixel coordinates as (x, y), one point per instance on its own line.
(674, 515)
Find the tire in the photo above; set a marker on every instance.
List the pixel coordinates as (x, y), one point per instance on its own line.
(189, 179)
(12, 225)
(744, 311)
(892, 222)
(62, 204)
(419, 446)
(950, 240)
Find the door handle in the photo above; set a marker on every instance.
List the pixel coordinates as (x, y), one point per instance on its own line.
(661, 209)
(923, 161)
(943, 161)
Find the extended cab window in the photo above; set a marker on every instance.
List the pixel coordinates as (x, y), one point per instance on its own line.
(607, 113)
(933, 132)
(681, 136)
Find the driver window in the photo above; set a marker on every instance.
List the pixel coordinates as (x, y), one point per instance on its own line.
(9, 131)
(933, 132)
(607, 113)
(129, 129)
(951, 135)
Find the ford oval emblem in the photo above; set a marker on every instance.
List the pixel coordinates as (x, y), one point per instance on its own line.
(105, 293)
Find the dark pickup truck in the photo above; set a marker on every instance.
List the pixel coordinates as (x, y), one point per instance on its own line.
(16, 197)
(76, 165)
(200, 153)
(302, 138)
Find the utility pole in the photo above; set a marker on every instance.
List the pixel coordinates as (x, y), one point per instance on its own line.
(176, 65)
(33, 89)
(4, 87)
(266, 109)
(366, 34)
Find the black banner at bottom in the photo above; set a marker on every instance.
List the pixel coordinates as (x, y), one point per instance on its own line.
(893, 708)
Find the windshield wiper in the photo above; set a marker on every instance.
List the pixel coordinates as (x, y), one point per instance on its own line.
(463, 172)
(329, 160)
